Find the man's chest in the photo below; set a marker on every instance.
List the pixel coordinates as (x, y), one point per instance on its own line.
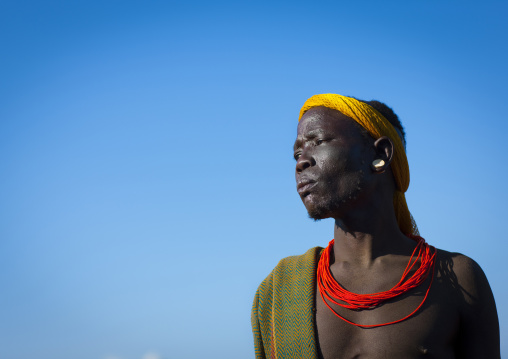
(429, 333)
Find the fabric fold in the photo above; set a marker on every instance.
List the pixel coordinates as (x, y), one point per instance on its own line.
(283, 318)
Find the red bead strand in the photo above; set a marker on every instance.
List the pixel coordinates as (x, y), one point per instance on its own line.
(330, 289)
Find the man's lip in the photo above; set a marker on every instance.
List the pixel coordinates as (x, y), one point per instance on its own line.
(305, 186)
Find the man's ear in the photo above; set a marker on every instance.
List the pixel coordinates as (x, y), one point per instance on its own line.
(384, 148)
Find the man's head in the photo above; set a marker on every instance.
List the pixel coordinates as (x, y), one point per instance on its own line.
(335, 157)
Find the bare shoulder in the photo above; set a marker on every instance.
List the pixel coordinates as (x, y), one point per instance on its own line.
(465, 275)
(479, 326)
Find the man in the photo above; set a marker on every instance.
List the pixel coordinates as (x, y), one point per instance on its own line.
(378, 290)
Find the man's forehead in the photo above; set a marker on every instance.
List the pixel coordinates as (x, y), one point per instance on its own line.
(324, 119)
(322, 111)
(321, 116)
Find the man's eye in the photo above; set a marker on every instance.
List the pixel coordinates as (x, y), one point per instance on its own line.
(297, 155)
(318, 142)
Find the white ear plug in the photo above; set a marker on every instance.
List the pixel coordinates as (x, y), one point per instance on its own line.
(378, 164)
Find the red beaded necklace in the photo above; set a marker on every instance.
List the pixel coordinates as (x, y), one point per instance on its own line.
(333, 291)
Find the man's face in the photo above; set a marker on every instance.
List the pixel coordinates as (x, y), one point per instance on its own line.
(333, 160)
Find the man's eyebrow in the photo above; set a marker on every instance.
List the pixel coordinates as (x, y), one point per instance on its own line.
(308, 136)
(314, 133)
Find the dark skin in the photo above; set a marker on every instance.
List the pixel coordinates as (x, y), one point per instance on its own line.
(336, 179)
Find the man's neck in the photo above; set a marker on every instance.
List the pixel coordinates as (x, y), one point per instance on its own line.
(359, 240)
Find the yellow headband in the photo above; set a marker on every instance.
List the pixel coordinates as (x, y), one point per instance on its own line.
(377, 126)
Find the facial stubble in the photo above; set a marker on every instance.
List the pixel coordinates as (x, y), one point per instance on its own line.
(334, 204)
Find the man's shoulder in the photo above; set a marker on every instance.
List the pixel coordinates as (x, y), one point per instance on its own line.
(464, 278)
(292, 269)
(464, 273)
(460, 264)
(308, 258)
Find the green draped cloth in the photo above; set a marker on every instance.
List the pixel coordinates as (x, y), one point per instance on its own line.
(283, 320)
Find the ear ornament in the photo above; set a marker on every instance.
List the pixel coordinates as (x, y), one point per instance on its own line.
(378, 165)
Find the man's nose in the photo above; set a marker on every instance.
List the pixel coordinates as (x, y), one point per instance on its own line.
(303, 162)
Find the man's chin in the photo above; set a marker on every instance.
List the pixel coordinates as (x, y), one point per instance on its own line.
(319, 210)
(318, 214)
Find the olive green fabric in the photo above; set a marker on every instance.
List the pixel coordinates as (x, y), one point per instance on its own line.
(283, 320)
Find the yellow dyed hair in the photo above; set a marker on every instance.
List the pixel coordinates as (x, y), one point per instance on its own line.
(377, 126)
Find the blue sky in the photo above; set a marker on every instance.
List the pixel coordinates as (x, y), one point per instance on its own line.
(147, 179)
